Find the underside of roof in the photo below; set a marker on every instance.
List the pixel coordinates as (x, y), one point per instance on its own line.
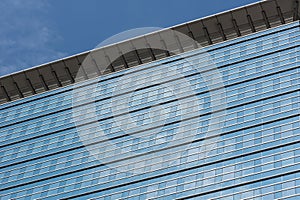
(205, 31)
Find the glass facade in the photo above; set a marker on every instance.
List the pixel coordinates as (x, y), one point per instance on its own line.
(172, 143)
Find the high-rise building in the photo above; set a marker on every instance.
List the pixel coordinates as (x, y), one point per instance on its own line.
(208, 109)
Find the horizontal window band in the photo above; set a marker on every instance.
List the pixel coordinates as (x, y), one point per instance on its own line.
(243, 161)
(89, 163)
(71, 133)
(158, 176)
(91, 167)
(118, 137)
(205, 114)
(237, 185)
(224, 146)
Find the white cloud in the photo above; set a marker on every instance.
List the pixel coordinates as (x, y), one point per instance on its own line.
(26, 35)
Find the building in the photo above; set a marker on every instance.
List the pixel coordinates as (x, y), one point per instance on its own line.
(208, 109)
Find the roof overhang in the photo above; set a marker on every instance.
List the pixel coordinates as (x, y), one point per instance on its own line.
(206, 31)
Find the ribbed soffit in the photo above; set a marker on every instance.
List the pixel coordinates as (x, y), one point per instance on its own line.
(205, 31)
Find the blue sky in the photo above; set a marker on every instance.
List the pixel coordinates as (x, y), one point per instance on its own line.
(33, 32)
